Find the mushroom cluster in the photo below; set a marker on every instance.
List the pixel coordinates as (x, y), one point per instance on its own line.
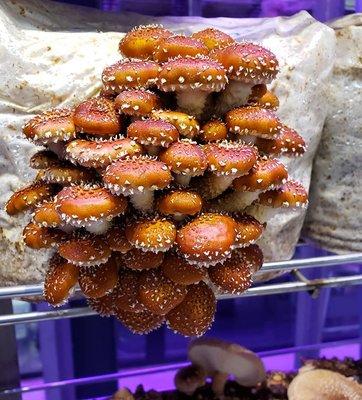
(153, 193)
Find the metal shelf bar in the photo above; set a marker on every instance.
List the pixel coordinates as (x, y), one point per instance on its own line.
(326, 261)
(277, 288)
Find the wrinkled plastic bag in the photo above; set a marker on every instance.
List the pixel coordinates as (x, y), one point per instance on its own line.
(53, 55)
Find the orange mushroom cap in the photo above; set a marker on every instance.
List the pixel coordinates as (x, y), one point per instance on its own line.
(248, 230)
(262, 97)
(67, 174)
(213, 131)
(186, 124)
(116, 239)
(213, 38)
(291, 195)
(140, 323)
(46, 215)
(43, 159)
(40, 237)
(178, 46)
(139, 260)
(138, 103)
(180, 202)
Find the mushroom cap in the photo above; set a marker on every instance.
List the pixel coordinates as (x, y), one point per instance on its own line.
(265, 174)
(43, 159)
(186, 124)
(97, 116)
(139, 260)
(126, 74)
(255, 121)
(153, 132)
(104, 306)
(137, 102)
(230, 158)
(82, 204)
(262, 97)
(142, 322)
(180, 202)
(66, 174)
(41, 237)
(28, 197)
(248, 230)
(158, 293)
(101, 153)
(233, 276)
(59, 280)
(141, 41)
(116, 239)
(196, 73)
(85, 249)
(136, 175)
(323, 384)
(252, 256)
(195, 314)
(291, 195)
(180, 271)
(178, 46)
(229, 358)
(98, 280)
(288, 142)
(46, 215)
(55, 125)
(189, 378)
(213, 38)
(207, 239)
(247, 62)
(214, 130)
(185, 157)
(152, 234)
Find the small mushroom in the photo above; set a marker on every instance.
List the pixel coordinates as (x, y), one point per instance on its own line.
(189, 378)
(213, 38)
(179, 204)
(137, 103)
(123, 394)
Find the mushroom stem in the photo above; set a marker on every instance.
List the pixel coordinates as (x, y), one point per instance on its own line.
(142, 201)
(262, 213)
(98, 227)
(152, 150)
(213, 185)
(235, 94)
(192, 101)
(218, 384)
(183, 180)
(236, 201)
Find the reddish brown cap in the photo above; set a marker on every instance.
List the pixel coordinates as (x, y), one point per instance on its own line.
(98, 280)
(101, 153)
(51, 126)
(116, 239)
(180, 271)
(104, 306)
(248, 230)
(158, 293)
(186, 124)
(252, 256)
(127, 74)
(40, 237)
(97, 116)
(138, 259)
(213, 38)
(255, 121)
(247, 62)
(43, 159)
(195, 314)
(60, 278)
(46, 215)
(207, 239)
(292, 195)
(178, 46)
(262, 97)
(137, 103)
(142, 322)
(266, 174)
(67, 174)
(141, 41)
(213, 131)
(151, 234)
(179, 203)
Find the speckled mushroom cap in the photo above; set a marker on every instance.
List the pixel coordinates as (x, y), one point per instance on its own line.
(323, 384)
(116, 239)
(288, 142)
(138, 103)
(100, 153)
(180, 271)
(136, 175)
(153, 132)
(231, 277)
(262, 97)
(230, 158)
(195, 314)
(139, 260)
(96, 281)
(97, 116)
(46, 215)
(199, 73)
(85, 249)
(213, 131)
(140, 323)
(186, 124)
(291, 194)
(265, 174)
(66, 174)
(151, 234)
(178, 46)
(52, 126)
(43, 159)
(228, 358)
(77, 204)
(207, 239)
(254, 121)
(247, 62)
(130, 74)
(185, 157)
(141, 41)
(180, 202)
(158, 293)
(248, 230)
(189, 378)
(104, 306)
(252, 256)
(28, 197)
(60, 278)
(213, 38)
(41, 237)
